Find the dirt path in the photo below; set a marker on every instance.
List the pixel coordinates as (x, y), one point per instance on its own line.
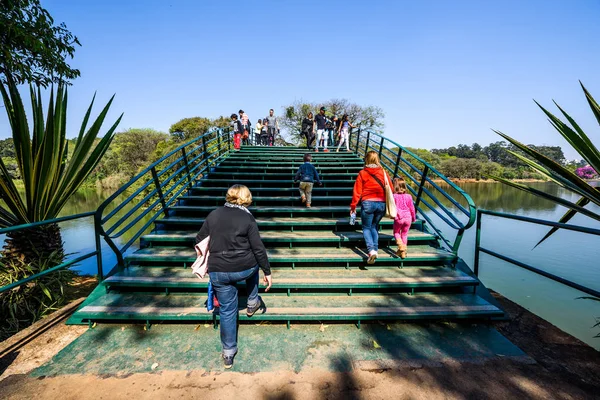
(566, 369)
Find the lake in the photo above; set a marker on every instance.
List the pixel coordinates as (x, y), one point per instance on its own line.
(571, 255)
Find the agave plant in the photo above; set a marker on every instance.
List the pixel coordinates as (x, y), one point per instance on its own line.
(49, 176)
(559, 174)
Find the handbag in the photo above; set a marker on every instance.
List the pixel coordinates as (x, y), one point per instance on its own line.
(390, 203)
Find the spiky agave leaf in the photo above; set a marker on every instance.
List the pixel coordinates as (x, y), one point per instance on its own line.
(556, 172)
(49, 177)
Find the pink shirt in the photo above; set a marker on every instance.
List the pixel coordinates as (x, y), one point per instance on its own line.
(405, 207)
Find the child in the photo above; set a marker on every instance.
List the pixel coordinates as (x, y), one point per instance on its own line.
(344, 133)
(237, 131)
(264, 133)
(257, 129)
(307, 174)
(405, 215)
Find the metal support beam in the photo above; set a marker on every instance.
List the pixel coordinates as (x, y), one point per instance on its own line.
(159, 191)
(423, 180)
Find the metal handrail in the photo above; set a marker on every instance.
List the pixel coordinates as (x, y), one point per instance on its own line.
(184, 164)
(395, 161)
(57, 267)
(575, 228)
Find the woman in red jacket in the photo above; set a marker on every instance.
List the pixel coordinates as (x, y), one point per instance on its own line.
(369, 190)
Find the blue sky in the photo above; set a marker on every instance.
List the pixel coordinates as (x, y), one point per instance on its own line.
(444, 72)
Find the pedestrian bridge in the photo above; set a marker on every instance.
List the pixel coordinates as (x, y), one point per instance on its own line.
(318, 259)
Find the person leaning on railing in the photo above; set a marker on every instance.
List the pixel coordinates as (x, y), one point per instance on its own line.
(369, 189)
(236, 253)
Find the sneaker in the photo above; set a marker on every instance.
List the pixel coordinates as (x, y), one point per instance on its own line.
(307, 205)
(316, 150)
(326, 150)
(251, 310)
(372, 257)
(303, 198)
(337, 151)
(228, 361)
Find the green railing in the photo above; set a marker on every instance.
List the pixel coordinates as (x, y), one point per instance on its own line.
(433, 191)
(575, 228)
(152, 191)
(155, 189)
(63, 265)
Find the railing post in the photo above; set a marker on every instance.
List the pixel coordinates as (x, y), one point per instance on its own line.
(159, 191)
(381, 147)
(219, 140)
(97, 224)
(187, 167)
(367, 144)
(397, 162)
(357, 140)
(477, 244)
(228, 141)
(423, 180)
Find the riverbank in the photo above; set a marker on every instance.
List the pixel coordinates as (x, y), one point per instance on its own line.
(556, 365)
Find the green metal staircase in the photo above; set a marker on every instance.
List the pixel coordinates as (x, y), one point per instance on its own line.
(318, 259)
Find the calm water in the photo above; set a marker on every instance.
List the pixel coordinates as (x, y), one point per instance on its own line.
(571, 255)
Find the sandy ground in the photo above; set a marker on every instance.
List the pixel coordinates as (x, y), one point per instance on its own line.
(565, 369)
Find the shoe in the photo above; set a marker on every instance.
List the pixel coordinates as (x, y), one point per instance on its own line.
(308, 205)
(303, 198)
(326, 150)
(316, 150)
(337, 151)
(372, 257)
(228, 361)
(251, 310)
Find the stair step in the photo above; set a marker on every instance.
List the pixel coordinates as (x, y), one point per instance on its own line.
(187, 238)
(190, 307)
(278, 210)
(288, 223)
(302, 255)
(296, 198)
(376, 278)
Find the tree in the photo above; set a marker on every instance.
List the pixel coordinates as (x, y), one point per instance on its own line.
(130, 151)
(365, 116)
(48, 176)
(189, 128)
(32, 48)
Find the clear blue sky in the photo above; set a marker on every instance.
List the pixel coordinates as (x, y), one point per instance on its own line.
(444, 72)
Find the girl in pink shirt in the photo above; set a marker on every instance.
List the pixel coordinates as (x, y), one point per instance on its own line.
(405, 215)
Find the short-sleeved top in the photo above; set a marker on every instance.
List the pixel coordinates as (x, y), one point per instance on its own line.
(321, 121)
(272, 121)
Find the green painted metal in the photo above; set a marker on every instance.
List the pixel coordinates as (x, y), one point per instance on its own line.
(556, 278)
(63, 265)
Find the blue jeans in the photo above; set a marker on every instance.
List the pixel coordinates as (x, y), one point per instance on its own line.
(371, 213)
(227, 294)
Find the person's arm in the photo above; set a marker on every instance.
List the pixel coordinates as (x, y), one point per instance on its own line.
(411, 207)
(356, 193)
(316, 174)
(203, 233)
(258, 248)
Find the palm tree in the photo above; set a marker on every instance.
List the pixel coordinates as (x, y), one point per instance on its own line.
(559, 174)
(49, 177)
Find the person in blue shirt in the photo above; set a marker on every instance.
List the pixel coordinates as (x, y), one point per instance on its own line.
(307, 174)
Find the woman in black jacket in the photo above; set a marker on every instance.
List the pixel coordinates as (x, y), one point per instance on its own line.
(307, 129)
(236, 253)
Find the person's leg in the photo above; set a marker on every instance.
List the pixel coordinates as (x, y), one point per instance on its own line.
(302, 188)
(366, 221)
(319, 135)
(404, 231)
(227, 295)
(325, 140)
(346, 137)
(236, 141)
(252, 288)
(378, 213)
(308, 188)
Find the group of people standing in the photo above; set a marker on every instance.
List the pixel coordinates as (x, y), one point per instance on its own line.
(324, 130)
(263, 133)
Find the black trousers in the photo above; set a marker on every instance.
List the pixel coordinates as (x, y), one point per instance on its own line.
(264, 139)
(310, 138)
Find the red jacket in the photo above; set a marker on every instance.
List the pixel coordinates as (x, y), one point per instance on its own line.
(366, 188)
